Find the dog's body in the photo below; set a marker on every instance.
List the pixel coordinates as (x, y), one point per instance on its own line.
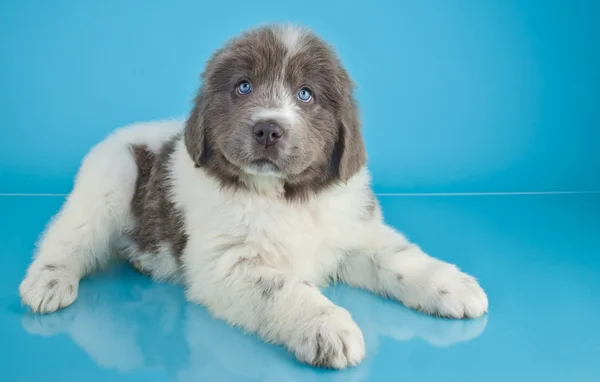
(259, 198)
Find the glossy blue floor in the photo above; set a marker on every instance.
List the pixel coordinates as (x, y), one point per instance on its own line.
(537, 256)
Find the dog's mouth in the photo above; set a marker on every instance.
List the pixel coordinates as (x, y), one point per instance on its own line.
(264, 167)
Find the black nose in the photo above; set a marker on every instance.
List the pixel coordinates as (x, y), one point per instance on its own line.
(267, 132)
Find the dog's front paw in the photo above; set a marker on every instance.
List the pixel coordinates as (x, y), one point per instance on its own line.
(331, 340)
(47, 288)
(448, 292)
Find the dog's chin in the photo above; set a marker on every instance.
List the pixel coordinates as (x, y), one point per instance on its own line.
(263, 167)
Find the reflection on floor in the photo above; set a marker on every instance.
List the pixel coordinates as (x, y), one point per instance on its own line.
(538, 257)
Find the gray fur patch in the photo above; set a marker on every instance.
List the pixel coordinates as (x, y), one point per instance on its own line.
(240, 261)
(158, 221)
(269, 287)
(324, 352)
(52, 284)
(51, 267)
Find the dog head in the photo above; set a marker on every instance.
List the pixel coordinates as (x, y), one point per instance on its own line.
(276, 103)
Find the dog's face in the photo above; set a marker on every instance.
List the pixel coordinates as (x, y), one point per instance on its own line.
(276, 102)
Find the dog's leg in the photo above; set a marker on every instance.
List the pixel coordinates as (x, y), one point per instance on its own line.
(281, 308)
(78, 239)
(393, 267)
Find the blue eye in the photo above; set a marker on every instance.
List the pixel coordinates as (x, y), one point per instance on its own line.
(244, 87)
(304, 95)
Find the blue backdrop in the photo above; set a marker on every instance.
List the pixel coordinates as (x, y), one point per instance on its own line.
(457, 96)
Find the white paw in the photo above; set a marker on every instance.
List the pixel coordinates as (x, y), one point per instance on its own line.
(47, 288)
(448, 292)
(331, 339)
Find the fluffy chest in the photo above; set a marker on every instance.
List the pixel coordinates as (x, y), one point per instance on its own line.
(306, 238)
(291, 237)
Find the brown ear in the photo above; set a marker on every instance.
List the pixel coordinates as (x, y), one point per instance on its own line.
(195, 131)
(352, 154)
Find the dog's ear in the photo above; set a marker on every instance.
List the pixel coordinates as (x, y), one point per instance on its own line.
(350, 147)
(195, 131)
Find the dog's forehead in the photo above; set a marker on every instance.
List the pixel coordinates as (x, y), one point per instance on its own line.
(284, 53)
(294, 39)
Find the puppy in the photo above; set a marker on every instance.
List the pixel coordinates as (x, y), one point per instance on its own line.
(254, 202)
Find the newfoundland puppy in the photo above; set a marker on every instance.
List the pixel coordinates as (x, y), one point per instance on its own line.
(253, 203)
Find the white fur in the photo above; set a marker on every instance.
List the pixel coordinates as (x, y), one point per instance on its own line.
(292, 37)
(252, 258)
(286, 114)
